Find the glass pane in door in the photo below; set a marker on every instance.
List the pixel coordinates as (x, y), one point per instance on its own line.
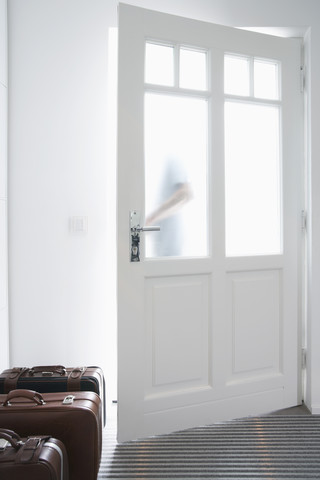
(176, 175)
(193, 69)
(266, 79)
(159, 64)
(252, 179)
(236, 75)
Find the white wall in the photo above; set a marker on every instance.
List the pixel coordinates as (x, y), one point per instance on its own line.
(58, 169)
(4, 325)
(59, 292)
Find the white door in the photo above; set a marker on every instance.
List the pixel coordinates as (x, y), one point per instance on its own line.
(209, 150)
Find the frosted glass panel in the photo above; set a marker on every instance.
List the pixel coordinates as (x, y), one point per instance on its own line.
(236, 75)
(193, 69)
(159, 68)
(176, 175)
(266, 84)
(252, 179)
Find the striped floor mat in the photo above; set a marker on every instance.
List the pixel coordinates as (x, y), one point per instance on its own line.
(270, 447)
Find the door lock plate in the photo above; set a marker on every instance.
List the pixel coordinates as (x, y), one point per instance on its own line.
(135, 230)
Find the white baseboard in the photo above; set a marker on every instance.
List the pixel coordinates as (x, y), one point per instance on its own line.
(315, 409)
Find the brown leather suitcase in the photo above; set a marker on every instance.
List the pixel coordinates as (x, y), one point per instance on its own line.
(56, 378)
(33, 458)
(74, 419)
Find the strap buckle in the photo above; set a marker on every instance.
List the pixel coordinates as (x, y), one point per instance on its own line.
(3, 444)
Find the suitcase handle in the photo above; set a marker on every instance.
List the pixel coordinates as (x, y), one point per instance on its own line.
(11, 437)
(29, 394)
(48, 370)
(77, 372)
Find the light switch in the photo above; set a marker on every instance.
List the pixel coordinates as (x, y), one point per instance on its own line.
(78, 224)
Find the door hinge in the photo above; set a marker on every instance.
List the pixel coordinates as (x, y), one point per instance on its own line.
(302, 78)
(303, 358)
(303, 220)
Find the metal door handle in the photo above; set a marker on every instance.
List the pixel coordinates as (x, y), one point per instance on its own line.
(135, 227)
(139, 229)
(135, 230)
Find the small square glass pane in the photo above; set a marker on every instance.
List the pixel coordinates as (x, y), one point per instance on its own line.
(159, 68)
(193, 69)
(266, 79)
(236, 75)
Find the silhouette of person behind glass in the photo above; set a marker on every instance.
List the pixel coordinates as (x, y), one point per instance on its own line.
(175, 192)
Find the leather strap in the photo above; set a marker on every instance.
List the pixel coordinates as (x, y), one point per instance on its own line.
(30, 451)
(74, 379)
(27, 451)
(11, 380)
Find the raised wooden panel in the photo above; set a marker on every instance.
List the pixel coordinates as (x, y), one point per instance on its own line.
(177, 333)
(255, 316)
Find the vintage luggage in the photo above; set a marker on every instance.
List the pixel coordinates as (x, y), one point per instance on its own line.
(55, 378)
(74, 419)
(33, 458)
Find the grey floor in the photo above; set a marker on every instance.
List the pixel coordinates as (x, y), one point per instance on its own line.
(115, 462)
(110, 431)
(299, 410)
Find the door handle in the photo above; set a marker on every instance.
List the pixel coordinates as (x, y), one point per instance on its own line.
(139, 229)
(135, 230)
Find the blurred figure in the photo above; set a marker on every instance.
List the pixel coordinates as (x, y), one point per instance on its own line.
(175, 192)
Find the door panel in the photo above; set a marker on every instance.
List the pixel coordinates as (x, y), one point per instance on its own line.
(208, 331)
(177, 338)
(254, 313)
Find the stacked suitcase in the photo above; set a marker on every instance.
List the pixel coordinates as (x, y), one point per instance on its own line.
(37, 457)
(46, 405)
(55, 378)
